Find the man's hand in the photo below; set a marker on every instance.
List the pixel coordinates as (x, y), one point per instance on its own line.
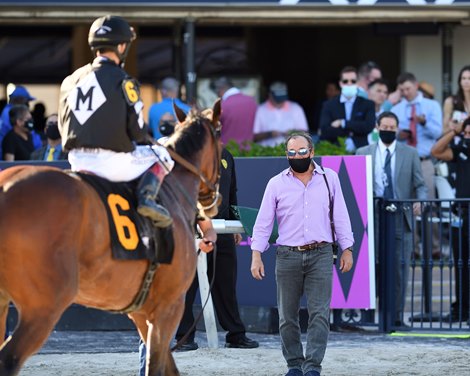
(417, 208)
(206, 245)
(457, 127)
(404, 134)
(336, 123)
(257, 267)
(238, 238)
(421, 119)
(346, 261)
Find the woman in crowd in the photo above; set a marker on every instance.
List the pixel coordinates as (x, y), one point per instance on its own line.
(457, 107)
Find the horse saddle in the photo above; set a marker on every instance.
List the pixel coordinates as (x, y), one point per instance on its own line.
(133, 237)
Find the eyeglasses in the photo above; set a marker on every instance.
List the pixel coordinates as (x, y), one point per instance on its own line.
(51, 123)
(301, 152)
(348, 81)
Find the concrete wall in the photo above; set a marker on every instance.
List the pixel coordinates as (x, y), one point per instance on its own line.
(422, 55)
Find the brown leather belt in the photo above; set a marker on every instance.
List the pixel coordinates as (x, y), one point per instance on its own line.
(308, 247)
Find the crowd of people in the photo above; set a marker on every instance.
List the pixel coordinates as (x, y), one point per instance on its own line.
(405, 131)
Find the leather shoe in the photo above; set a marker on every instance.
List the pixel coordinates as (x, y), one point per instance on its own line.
(242, 343)
(294, 372)
(312, 373)
(401, 326)
(454, 316)
(188, 346)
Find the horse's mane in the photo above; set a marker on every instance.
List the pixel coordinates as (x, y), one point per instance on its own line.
(189, 137)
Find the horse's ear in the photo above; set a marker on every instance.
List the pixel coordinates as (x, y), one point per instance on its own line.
(180, 115)
(216, 112)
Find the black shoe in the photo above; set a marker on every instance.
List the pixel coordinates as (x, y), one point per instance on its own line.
(147, 190)
(401, 326)
(242, 343)
(188, 346)
(454, 316)
(157, 213)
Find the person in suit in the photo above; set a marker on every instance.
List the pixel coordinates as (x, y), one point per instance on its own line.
(224, 290)
(397, 175)
(347, 115)
(52, 151)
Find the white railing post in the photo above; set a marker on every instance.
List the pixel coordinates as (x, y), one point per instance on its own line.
(221, 226)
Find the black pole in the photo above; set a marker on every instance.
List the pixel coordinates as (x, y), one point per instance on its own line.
(387, 265)
(447, 42)
(177, 51)
(190, 79)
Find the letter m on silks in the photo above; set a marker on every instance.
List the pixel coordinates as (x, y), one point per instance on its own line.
(83, 98)
(86, 98)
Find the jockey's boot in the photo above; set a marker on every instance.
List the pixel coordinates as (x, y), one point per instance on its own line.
(147, 191)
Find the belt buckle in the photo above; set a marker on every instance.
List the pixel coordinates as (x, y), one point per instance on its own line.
(300, 248)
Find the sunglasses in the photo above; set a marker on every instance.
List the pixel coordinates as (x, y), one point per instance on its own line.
(348, 81)
(301, 152)
(50, 123)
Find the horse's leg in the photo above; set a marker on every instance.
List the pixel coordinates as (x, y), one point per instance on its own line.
(4, 305)
(159, 358)
(35, 325)
(140, 322)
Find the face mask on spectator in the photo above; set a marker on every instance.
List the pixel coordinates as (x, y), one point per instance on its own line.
(300, 164)
(52, 131)
(167, 128)
(29, 125)
(349, 91)
(387, 137)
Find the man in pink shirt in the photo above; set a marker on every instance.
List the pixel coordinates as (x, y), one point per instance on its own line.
(277, 117)
(238, 112)
(299, 198)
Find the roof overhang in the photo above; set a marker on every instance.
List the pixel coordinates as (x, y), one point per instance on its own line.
(233, 14)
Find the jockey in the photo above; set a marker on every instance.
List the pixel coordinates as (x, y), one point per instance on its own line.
(100, 119)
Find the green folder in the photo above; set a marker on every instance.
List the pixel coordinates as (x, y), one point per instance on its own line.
(247, 217)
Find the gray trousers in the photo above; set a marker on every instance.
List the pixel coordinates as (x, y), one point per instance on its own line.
(308, 272)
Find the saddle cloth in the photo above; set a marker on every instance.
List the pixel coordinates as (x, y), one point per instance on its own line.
(133, 237)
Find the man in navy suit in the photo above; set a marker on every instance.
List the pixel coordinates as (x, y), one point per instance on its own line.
(347, 115)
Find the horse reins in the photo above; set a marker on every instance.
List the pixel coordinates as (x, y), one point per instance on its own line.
(213, 194)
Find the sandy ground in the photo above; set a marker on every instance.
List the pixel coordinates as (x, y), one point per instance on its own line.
(346, 355)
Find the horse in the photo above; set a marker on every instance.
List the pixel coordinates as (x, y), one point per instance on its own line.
(55, 248)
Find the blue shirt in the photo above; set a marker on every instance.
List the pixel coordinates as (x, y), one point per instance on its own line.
(427, 134)
(158, 109)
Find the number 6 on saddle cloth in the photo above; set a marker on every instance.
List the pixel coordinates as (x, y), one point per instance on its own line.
(133, 237)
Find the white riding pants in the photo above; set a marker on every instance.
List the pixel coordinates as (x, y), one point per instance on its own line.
(119, 167)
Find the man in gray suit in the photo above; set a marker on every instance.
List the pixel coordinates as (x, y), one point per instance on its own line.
(397, 176)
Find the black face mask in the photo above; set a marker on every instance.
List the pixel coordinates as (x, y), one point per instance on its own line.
(52, 132)
(166, 128)
(29, 125)
(387, 137)
(300, 164)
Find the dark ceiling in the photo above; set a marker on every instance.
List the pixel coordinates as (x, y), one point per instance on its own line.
(43, 54)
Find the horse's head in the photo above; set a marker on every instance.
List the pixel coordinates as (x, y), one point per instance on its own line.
(200, 132)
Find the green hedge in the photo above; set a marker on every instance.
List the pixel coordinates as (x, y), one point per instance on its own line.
(251, 149)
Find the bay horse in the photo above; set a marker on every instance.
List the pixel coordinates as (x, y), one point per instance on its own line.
(55, 248)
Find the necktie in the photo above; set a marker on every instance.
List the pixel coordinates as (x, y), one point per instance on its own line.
(412, 140)
(50, 155)
(388, 188)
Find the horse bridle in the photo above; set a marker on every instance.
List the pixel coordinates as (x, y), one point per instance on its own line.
(213, 194)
